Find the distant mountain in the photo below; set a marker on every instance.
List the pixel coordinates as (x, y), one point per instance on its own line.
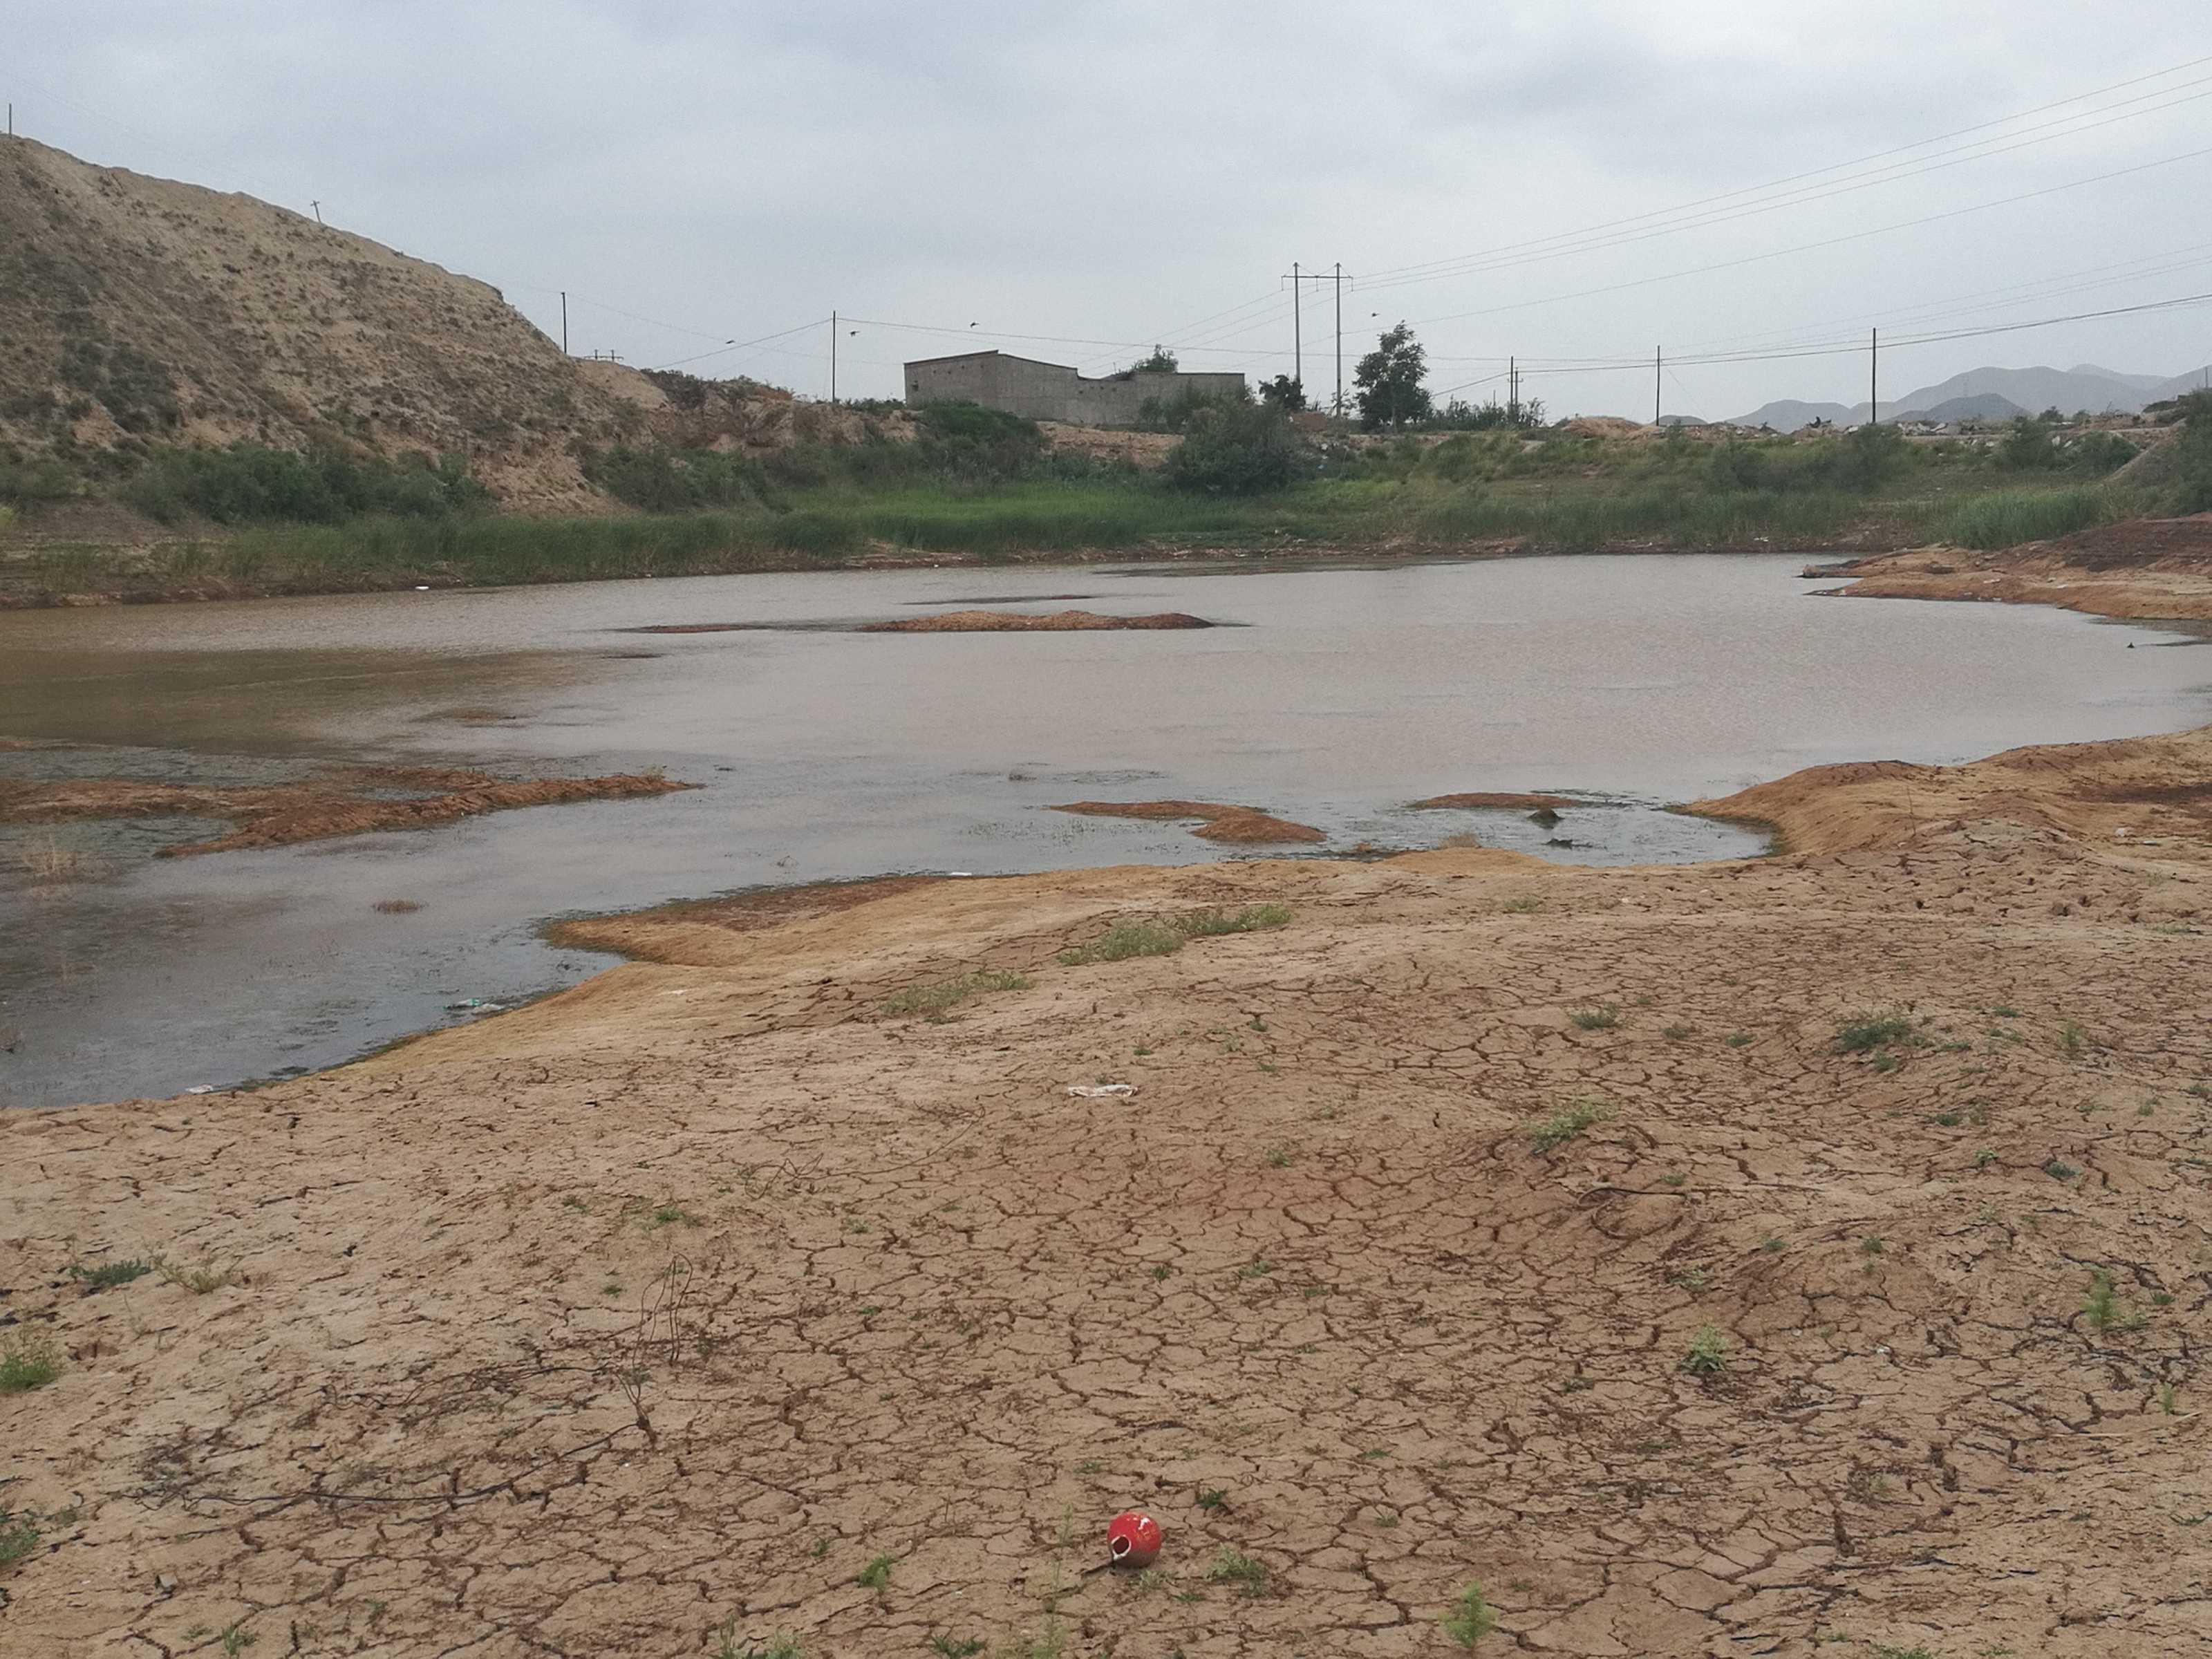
(1787, 414)
(2099, 391)
(1985, 406)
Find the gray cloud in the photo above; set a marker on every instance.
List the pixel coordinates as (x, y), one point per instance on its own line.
(1119, 169)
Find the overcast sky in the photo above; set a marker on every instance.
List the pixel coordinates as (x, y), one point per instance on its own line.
(1115, 173)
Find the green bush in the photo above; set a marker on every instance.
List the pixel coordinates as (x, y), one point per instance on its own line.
(1246, 450)
(2005, 518)
(250, 484)
(675, 481)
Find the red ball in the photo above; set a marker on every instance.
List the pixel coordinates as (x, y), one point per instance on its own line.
(1133, 1539)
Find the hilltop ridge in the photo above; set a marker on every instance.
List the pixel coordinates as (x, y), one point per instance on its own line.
(137, 310)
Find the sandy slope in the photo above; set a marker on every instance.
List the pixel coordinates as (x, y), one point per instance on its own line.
(2138, 568)
(926, 1305)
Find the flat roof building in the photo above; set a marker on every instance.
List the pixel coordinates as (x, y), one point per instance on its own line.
(1054, 392)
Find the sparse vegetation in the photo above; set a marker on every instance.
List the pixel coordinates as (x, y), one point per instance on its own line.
(1708, 1353)
(1232, 1566)
(200, 1278)
(1565, 1122)
(1872, 1032)
(108, 1274)
(1163, 936)
(28, 1362)
(45, 859)
(1595, 1019)
(396, 907)
(935, 1000)
(19, 1536)
(780, 1645)
(877, 1575)
(1470, 1618)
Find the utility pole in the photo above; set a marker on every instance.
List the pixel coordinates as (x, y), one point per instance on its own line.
(1513, 390)
(832, 356)
(1658, 369)
(1298, 346)
(564, 322)
(1874, 379)
(1338, 411)
(318, 207)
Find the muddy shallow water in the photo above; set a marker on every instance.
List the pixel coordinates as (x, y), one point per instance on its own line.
(1345, 693)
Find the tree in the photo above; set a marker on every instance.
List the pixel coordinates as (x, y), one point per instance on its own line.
(1284, 393)
(2193, 454)
(1390, 381)
(1235, 450)
(2028, 446)
(1162, 361)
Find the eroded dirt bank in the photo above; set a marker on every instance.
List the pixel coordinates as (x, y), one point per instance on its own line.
(2140, 567)
(666, 1308)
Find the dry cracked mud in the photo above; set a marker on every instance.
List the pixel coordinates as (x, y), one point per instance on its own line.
(644, 1320)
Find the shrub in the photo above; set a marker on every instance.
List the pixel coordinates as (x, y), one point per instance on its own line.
(1862, 1037)
(1708, 1353)
(1240, 451)
(1471, 1618)
(250, 482)
(675, 481)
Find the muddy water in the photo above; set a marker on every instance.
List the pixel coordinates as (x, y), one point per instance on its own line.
(1343, 694)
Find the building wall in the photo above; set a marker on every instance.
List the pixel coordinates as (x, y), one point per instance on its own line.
(1052, 392)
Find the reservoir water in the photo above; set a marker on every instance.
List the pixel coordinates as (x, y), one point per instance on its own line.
(1334, 695)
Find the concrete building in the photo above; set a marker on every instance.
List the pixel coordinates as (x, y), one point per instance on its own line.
(1052, 392)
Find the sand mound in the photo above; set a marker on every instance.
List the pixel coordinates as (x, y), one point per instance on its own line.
(1240, 824)
(1014, 621)
(335, 803)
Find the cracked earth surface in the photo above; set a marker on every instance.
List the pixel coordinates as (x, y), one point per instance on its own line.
(643, 1319)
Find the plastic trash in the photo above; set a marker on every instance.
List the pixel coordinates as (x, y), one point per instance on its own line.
(1100, 1090)
(201, 1089)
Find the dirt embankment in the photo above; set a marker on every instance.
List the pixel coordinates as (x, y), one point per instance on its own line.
(2140, 567)
(1237, 825)
(1799, 1255)
(348, 801)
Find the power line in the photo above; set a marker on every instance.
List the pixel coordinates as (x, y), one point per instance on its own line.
(1427, 270)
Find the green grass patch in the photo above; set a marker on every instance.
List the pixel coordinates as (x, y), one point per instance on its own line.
(1565, 1122)
(1864, 1037)
(1163, 936)
(2005, 518)
(108, 1274)
(28, 1363)
(936, 1000)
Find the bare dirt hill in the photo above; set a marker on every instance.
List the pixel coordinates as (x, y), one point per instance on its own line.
(137, 310)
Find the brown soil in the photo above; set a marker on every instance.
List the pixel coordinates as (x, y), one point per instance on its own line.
(1238, 824)
(664, 1305)
(338, 803)
(1493, 799)
(1140, 449)
(1012, 622)
(2142, 568)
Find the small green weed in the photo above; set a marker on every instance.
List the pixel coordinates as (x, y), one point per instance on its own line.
(1678, 1031)
(237, 1639)
(1523, 904)
(1279, 1157)
(1736, 1039)
(2104, 1310)
(1985, 1157)
(1708, 1353)
(955, 1648)
(1470, 1617)
(108, 1274)
(2059, 1170)
(19, 1536)
(877, 1575)
(2073, 1040)
(1211, 1498)
(1603, 1018)
(1693, 1277)
(1232, 1566)
(782, 1645)
(28, 1363)
(1212, 924)
(1546, 1134)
